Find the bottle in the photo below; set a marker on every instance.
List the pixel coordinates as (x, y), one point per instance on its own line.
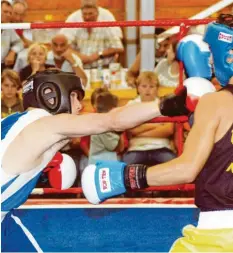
(100, 73)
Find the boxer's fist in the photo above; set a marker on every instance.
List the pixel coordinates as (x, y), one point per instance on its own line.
(174, 104)
(61, 171)
(103, 180)
(106, 179)
(185, 99)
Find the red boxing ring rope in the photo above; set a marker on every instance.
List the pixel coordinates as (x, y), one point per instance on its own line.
(183, 23)
(156, 22)
(177, 119)
(76, 190)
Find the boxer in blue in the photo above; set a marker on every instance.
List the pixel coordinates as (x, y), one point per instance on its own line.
(30, 140)
(207, 158)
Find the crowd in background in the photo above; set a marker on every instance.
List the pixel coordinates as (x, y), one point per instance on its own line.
(25, 52)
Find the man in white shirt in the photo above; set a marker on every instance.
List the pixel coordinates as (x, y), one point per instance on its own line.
(64, 58)
(19, 12)
(94, 44)
(104, 15)
(11, 43)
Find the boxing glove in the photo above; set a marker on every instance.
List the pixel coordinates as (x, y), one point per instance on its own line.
(185, 99)
(61, 171)
(196, 88)
(174, 104)
(106, 179)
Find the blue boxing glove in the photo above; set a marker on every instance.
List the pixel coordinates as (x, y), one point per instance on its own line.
(106, 179)
(195, 54)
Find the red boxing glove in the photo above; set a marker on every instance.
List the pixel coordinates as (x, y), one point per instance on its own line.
(19, 32)
(61, 171)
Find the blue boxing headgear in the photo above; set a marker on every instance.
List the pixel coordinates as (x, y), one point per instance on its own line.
(195, 54)
(219, 36)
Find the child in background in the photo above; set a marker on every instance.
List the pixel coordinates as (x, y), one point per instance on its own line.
(106, 145)
(10, 102)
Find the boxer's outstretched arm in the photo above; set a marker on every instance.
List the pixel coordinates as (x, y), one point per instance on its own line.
(197, 149)
(118, 119)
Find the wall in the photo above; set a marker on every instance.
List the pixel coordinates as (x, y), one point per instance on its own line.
(57, 10)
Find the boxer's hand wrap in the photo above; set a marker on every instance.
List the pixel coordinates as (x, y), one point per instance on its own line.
(135, 176)
(175, 104)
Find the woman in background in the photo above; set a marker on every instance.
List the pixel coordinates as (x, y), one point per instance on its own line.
(37, 56)
(10, 102)
(149, 143)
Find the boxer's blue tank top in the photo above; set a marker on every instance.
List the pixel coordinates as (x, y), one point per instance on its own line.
(214, 184)
(15, 189)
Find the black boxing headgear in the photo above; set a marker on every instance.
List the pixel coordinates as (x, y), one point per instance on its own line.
(50, 90)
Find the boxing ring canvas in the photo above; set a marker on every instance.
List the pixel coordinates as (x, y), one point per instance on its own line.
(112, 228)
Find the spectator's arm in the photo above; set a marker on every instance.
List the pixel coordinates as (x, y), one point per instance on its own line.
(163, 130)
(141, 129)
(132, 73)
(86, 58)
(27, 43)
(121, 144)
(16, 43)
(76, 64)
(113, 44)
(81, 73)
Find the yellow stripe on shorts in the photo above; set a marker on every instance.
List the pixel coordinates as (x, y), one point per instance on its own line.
(204, 240)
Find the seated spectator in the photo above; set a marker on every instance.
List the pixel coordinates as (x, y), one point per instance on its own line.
(19, 12)
(37, 56)
(149, 143)
(160, 53)
(11, 43)
(103, 15)
(11, 84)
(95, 94)
(63, 58)
(105, 146)
(94, 44)
(167, 69)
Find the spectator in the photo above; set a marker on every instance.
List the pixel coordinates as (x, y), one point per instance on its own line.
(63, 58)
(11, 43)
(10, 102)
(103, 15)
(149, 143)
(93, 44)
(105, 146)
(168, 68)
(160, 53)
(19, 12)
(37, 55)
(95, 94)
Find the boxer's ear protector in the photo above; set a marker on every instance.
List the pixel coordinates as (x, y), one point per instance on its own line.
(49, 95)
